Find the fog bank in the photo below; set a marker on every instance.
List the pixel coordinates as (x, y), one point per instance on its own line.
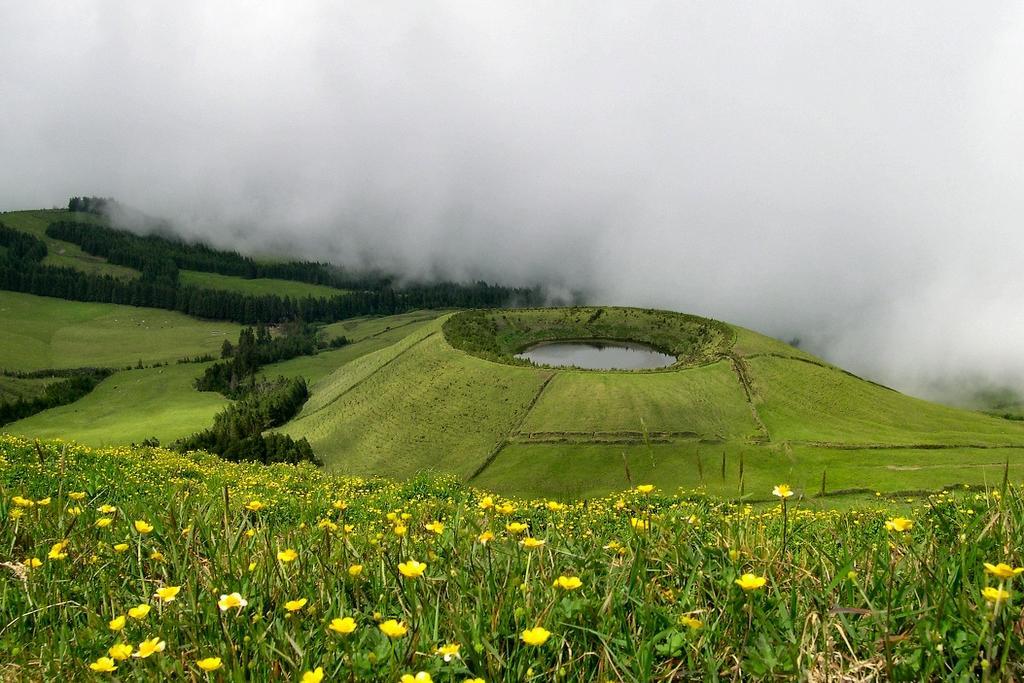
(845, 173)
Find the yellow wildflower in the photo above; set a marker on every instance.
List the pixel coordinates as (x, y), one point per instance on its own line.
(485, 537)
(103, 665)
(107, 509)
(448, 652)
(555, 506)
(355, 570)
(209, 663)
(412, 569)
(120, 651)
(339, 505)
(168, 593)
(157, 556)
(782, 491)
(149, 647)
(750, 582)
(117, 623)
(295, 605)
(392, 628)
(692, 622)
(1003, 570)
(645, 488)
(537, 635)
(33, 563)
(436, 527)
(22, 502)
(993, 594)
(516, 527)
(400, 529)
(76, 495)
(420, 677)
(226, 602)
(486, 503)
(254, 506)
(531, 542)
(143, 527)
(287, 555)
(57, 551)
(139, 611)
(104, 522)
(568, 583)
(639, 524)
(314, 676)
(327, 525)
(343, 625)
(899, 524)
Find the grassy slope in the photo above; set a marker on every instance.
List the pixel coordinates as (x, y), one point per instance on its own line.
(427, 405)
(130, 406)
(415, 406)
(643, 564)
(851, 411)
(62, 253)
(256, 286)
(579, 469)
(137, 404)
(43, 332)
(707, 401)
(360, 328)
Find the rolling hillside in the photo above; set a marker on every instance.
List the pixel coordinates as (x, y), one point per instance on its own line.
(423, 404)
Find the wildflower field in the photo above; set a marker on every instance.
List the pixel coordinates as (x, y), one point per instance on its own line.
(142, 564)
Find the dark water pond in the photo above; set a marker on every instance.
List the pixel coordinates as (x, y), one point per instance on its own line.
(597, 355)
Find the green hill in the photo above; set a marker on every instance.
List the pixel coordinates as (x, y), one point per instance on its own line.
(44, 332)
(425, 404)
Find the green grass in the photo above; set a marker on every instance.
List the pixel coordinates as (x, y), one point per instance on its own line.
(255, 286)
(425, 405)
(356, 329)
(445, 419)
(367, 335)
(707, 401)
(805, 402)
(828, 596)
(43, 332)
(160, 402)
(61, 253)
(554, 469)
(128, 407)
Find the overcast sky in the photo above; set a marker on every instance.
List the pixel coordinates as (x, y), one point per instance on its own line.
(849, 173)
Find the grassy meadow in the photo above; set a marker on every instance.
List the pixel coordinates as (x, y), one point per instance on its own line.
(141, 564)
(43, 332)
(129, 407)
(255, 286)
(133, 405)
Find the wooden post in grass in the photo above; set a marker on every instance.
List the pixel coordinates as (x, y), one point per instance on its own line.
(741, 473)
(700, 467)
(723, 464)
(822, 491)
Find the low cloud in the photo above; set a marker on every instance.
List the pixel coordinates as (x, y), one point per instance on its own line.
(845, 173)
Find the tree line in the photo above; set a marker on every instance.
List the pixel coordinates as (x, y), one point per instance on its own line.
(78, 384)
(22, 270)
(126, 248)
